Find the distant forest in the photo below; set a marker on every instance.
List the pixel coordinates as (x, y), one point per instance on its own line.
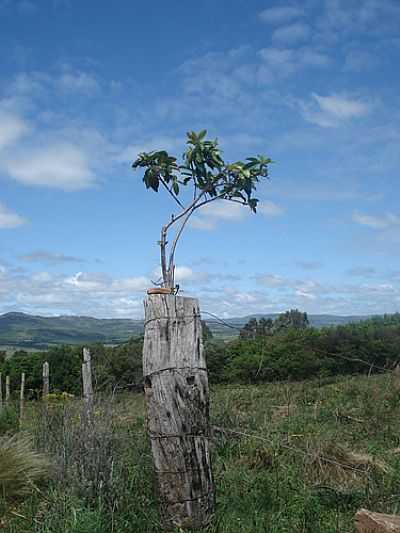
(286, 348)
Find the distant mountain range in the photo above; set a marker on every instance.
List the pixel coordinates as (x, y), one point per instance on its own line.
(30, 331)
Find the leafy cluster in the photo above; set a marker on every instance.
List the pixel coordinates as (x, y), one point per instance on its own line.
(293, 319)
(205, 170)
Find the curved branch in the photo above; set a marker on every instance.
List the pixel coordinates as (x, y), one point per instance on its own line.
(171, 193)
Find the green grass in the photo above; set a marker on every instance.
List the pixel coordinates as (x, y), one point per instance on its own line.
(287, 458)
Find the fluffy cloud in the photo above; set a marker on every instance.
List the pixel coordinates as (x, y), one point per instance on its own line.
(281, 14)
(292, 33)
(377, 222)
(210, 215)
(51, 258)
(12, 128)
(62, 166)
(78, 81)
(332, 111)
(9, 219)
(282, 62)
(270, 209)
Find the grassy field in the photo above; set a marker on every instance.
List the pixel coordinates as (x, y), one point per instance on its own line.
(288, 457)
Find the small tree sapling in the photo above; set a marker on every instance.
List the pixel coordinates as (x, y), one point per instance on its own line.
(208, 177)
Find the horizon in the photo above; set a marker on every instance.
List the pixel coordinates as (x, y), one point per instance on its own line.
(311, 84)
(216, 318)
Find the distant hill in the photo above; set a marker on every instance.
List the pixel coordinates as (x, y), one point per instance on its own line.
(30, 331)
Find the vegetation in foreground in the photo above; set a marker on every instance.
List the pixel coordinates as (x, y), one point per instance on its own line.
(288, 457)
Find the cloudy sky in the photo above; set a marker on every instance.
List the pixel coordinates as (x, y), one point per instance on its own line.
(313, 84)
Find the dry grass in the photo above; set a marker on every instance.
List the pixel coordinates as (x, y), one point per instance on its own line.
(336, 465)
(20, 466)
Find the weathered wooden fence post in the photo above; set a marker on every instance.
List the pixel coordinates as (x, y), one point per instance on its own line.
(46, 380)
(7, 390)
(177, 399)
(87, 380)
(1, 391)
(21, 398)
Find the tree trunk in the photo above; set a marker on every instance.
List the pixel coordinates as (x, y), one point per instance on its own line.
(177, 399)
(46, 380)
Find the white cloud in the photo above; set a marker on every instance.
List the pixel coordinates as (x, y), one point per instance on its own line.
(341, 107)
(359, 61)
(292, 33)
(52, 258)
(377, 222)
(131, 284)
(88, 281)
(9, 219)
(283, 62)
(62, 166)
(208, 216)
(130, 153)
(12, 128)
(271, 280)
(78, 81)
(270, 209)
(331, 111)
(276, 15)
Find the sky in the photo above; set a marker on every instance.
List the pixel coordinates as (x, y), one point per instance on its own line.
(86, 86)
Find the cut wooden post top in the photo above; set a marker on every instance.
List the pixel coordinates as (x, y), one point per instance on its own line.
(173, 334)
(167, 306)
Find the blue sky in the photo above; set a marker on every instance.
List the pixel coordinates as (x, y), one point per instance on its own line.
(85, 86)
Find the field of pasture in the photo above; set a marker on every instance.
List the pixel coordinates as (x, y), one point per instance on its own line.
(287, 457)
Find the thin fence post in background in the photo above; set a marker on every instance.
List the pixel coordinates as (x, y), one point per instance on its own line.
(87, 380)
(1, 391)
(21, 398)
(7, 390)
(46, 380)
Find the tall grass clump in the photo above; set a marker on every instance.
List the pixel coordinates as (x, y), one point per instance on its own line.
(21, 467)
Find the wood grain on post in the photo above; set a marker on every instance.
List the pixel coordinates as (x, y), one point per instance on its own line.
(46, 380)
(7, 389)
(369, 522)
(177, 400)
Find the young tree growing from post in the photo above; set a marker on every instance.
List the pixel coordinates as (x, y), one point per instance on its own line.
(209, 179)
(174, 367)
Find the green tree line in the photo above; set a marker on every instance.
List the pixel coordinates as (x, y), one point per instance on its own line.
(286, 349)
